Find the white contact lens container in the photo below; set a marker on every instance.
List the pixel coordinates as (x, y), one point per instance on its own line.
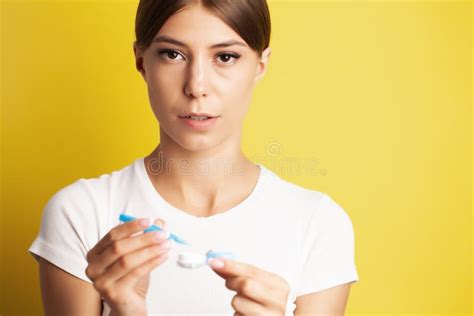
(191, 260)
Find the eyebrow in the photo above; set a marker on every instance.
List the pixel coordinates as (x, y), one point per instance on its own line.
(167, 39)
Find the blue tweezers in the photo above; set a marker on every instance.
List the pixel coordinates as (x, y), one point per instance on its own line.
(128, 218)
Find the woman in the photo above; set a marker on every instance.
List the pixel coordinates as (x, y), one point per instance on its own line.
(201, 61)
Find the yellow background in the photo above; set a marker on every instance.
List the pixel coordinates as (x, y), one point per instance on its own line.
(378, 93)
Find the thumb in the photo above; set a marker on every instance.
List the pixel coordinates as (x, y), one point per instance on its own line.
(160, 223)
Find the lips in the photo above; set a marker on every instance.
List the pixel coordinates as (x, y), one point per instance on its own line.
(193, 114)
(197, 118)
(200, 123)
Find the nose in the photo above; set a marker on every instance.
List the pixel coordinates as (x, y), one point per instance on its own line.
(196, 83)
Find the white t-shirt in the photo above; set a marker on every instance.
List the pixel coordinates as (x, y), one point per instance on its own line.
(301, 234)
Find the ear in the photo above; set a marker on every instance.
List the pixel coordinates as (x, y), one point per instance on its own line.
(263, 63)
(139, 59)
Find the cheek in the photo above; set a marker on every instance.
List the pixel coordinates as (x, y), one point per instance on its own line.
(163, 90)
(236, 94)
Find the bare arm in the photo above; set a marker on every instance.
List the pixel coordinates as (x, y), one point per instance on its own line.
(65, 294)
(329, 302)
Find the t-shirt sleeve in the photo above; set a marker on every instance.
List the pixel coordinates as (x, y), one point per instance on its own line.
(328, 249)
(68, 230)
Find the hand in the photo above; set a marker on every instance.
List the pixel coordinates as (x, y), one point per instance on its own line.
(120, 265)
(259, 292)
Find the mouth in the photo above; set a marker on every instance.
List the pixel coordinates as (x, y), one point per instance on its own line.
(199, 122)
(198, 116)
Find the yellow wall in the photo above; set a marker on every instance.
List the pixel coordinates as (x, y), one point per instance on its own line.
(378, 93)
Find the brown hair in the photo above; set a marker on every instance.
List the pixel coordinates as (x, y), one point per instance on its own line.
(248, 18)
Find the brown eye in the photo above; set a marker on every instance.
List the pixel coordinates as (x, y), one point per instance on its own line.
(226, 57)
(169, 53)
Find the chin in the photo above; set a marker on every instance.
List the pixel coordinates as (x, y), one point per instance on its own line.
(197, 145)
(192, 141)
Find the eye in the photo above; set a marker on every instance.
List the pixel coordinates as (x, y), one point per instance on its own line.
(226, 58)
(229, 56)
(170, 53)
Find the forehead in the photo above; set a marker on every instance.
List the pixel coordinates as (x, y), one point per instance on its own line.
(195, 25)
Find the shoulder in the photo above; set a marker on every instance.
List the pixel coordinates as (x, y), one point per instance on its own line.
(85, 202)
(311, 202)
(281, 188)
(79, 210)
(93, 190)
(315, 212)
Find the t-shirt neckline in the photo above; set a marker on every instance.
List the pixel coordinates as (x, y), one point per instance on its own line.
(157, 199)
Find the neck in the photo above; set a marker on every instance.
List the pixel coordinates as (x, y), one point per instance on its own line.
(202, 180)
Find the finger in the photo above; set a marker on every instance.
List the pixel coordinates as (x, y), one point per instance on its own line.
(118, 232)
(251, 289)
(132, 278)
(123, 247)
(233, 268)
(227, 268)
(246, 306)
(160, 223)
(129, 262)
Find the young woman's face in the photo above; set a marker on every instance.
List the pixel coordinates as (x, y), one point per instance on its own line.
(196, 78)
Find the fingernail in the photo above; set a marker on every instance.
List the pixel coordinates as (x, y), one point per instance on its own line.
(144, 222)
(216, 263)
(159, 235)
